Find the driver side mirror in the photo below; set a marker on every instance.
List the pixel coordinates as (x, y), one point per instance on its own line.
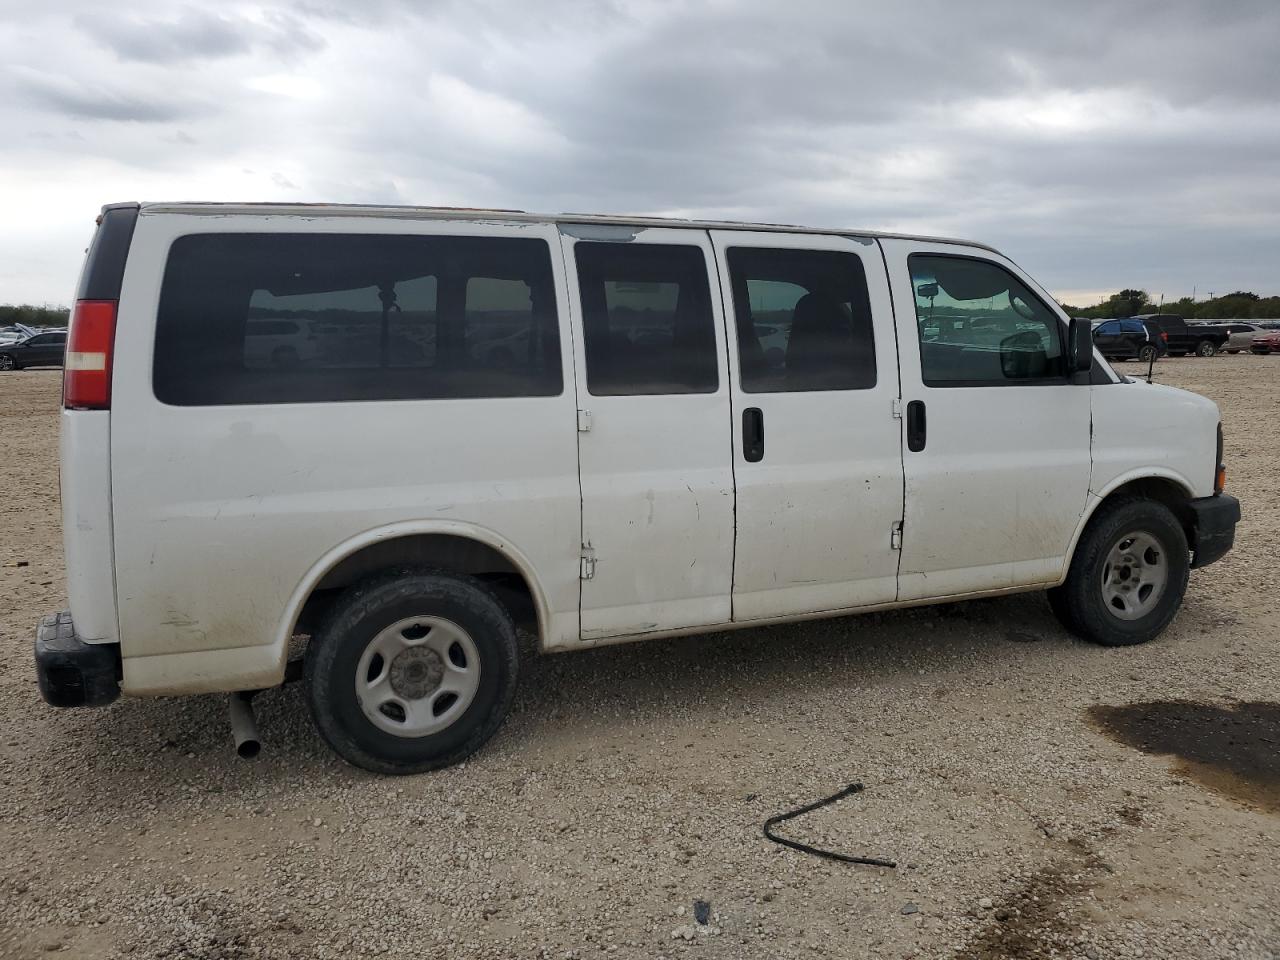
(1080, 345)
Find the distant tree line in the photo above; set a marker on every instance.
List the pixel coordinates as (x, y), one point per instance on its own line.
(33, 316)
(1241, 305)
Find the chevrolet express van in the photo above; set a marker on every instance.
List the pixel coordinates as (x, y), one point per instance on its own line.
(620, 427)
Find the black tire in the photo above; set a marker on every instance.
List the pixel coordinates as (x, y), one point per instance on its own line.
(1206, 348)
(7, 362)
(1147, 354)
(1079, 603)
(358, 615)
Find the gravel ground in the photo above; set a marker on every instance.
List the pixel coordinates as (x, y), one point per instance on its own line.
(631, 782)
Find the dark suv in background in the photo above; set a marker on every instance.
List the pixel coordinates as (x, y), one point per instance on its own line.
(44, 349)
(1132, 339)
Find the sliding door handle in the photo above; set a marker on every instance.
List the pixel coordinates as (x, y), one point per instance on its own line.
(753, 434)
(915, 426)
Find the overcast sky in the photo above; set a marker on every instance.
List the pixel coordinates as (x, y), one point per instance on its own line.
(1098, 144)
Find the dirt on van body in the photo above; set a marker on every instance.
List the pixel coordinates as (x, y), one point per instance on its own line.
(630, 782)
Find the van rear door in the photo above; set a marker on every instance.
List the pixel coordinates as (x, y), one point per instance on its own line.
(653, 429)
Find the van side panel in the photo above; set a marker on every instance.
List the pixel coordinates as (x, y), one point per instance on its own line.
(84, 450)
(222, 511)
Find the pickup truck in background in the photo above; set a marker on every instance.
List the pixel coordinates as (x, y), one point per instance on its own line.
(1203, 341)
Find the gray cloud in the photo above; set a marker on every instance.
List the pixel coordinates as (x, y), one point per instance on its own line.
(195, 34)
(191, 35)
(1100, 144)
(61, 95)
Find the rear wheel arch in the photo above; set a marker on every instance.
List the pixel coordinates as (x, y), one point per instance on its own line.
(449, 547)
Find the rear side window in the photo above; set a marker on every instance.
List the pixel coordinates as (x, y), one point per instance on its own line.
(305, 318)
(979, 325)
(1110, 327)
(803, 318)
(646, 319)
(1132, 326)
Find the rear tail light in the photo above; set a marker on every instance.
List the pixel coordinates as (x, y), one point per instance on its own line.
(86, 378)
(1164, 336)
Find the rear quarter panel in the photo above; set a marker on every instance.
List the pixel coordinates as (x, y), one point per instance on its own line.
(222, 512)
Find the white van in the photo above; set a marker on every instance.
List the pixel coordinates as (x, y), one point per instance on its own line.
(614, 427)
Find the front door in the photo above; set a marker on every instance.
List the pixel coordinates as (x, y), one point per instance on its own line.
(653, 430)
(997, 456)
(817, 449)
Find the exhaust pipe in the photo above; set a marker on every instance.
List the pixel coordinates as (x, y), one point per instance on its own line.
(244, 728)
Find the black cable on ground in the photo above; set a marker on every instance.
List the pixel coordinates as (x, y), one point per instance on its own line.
(804, 847)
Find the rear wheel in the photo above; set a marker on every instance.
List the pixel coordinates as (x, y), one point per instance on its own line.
(1206, 348)
(1128, 575)
(1147, 353)
(411, 671)
(7, 362)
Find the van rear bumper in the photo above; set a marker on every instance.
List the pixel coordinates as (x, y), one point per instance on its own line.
(70, 672)
(1214, 521)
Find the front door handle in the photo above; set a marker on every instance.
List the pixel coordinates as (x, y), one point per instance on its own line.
(753, 434)
(915, 426)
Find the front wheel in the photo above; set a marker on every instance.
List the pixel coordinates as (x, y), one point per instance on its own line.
(1206, 348)
(1128, 575)
(411, 671)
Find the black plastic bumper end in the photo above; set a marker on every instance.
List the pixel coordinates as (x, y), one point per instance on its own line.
(72, 673)
(1214, 522)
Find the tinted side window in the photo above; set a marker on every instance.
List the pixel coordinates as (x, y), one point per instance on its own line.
(1110, 327)
(804, 320)
(296, 318)
(979, 325)
(646, 319)
(1132, 326)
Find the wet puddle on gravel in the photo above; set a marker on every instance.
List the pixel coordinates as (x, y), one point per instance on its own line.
(1233, 749)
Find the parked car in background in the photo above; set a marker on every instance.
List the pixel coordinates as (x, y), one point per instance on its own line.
(18, 331)
(1183, 338)
(1241, 336)
(44, 349)
(1129, 340)
(1266, 341)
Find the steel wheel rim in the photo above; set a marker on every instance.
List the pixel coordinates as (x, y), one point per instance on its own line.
(417, 676)
(1134, 575)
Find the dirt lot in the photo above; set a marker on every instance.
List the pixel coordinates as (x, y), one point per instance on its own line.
(1033, 811)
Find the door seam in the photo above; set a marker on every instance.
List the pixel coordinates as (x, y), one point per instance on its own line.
(902, 446)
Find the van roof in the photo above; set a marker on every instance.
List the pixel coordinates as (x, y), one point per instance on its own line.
(518, 216)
